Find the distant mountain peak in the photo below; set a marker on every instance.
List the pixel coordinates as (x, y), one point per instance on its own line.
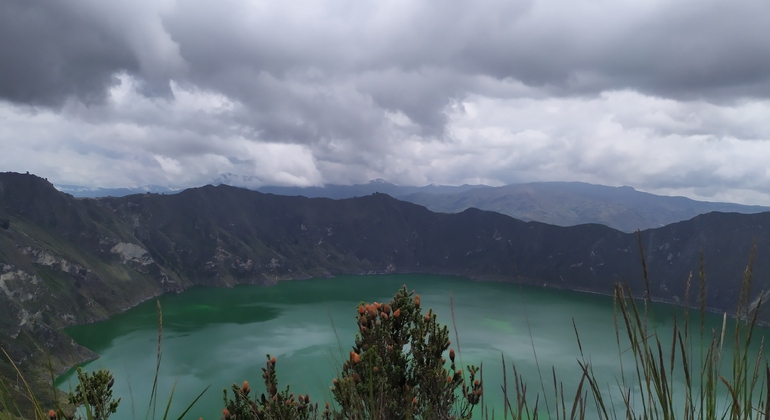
(95, 192)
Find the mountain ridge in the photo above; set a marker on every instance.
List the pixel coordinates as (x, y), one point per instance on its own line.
(65, 260)
(572, 203)
(558, 203)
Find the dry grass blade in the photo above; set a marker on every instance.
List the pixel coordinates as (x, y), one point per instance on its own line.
(154, 393)
(767, 395)
(521, 396)
(577, 337)
(735, 405)
(30, 394)
(506, 402)
(578, 396)
(598, 399)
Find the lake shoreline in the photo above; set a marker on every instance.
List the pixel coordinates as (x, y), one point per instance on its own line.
(472, 278)
(227, 332)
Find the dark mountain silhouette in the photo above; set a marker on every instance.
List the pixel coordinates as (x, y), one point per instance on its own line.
(65, 260)
(556, 203)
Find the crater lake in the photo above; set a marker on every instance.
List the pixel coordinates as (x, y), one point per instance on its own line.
(214, 337)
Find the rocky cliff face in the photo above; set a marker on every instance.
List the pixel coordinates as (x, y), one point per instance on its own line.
(65, 260)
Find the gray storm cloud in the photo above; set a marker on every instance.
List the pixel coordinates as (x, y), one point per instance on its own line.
(705, 49)
(662, 95)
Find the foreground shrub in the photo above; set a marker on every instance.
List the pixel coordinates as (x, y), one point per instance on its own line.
(94, 393)
(396, 370)
(397, 367)
(274, 405)
(91, 399)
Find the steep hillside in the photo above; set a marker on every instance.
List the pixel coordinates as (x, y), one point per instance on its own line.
(65, 260)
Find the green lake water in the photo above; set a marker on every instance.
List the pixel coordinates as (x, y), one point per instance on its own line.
(216, 337)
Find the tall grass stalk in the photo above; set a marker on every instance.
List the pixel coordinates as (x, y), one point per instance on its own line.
(154, 392)
(722, 380)
(30, 394)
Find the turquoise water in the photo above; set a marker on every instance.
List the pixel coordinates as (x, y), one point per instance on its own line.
(215, 337)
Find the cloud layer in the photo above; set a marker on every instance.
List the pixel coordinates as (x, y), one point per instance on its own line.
(666, 96)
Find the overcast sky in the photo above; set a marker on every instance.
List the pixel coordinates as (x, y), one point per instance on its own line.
(667, 96)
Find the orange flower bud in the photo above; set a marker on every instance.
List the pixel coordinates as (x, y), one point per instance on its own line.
(376, 369)
(414, 400)
(355, 357)
(383, 315)
(372, 311)
(245, 388)
(449, 379)
(376, 306)
(397, 313)
(361, 309)
(452, 355)
(417, 301)
(225, 413)
(51, 414)
(272, 360)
